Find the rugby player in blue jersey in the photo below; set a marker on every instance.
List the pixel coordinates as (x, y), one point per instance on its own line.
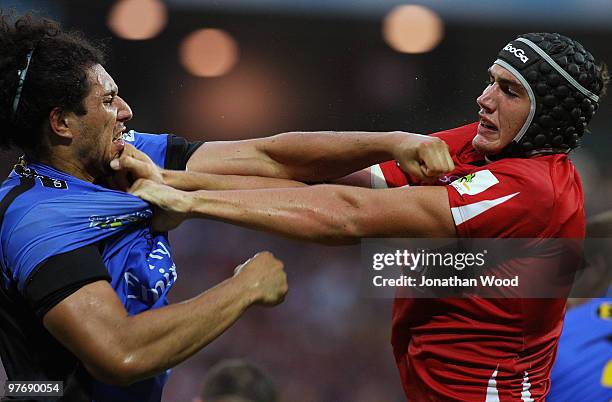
(83, 279)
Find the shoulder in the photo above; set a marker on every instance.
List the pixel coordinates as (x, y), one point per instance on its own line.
(139, 138)
(154, 145)
(166, 150)
(146, 141)
(527, 174)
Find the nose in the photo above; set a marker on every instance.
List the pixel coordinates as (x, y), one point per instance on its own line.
(485, 100)
(124, 112)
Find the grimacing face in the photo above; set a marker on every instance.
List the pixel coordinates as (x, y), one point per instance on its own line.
(101, 129)
(504, 107)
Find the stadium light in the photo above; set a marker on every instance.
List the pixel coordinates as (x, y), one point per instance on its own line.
(208, 53)
(137, 19)
(412, 29)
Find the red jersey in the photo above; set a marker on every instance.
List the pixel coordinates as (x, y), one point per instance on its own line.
(488, 350)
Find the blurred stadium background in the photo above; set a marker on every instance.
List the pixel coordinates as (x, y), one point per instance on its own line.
(232, 69)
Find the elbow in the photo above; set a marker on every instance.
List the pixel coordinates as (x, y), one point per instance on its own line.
(335, 233)
(120, 372)
(349, 229)
(342, 225)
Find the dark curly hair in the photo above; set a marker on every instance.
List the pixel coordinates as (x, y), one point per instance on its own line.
(56, 76)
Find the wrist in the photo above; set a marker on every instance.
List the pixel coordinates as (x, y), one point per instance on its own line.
(403, 145)
(394, 142)
(248, 293)
(168, 176)
(187, 203)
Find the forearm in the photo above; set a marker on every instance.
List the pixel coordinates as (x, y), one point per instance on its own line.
(320, 213)
(191, 181)
(302, 156)
(159, 339)
(323, 156)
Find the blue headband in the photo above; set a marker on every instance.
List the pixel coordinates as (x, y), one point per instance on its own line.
(22, 76)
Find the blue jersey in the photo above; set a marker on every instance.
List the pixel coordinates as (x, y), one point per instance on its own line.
(59, 213)
(583, 369)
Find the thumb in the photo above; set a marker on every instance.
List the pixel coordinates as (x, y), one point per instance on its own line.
(414, 168)
(134, 189)
(128, 163)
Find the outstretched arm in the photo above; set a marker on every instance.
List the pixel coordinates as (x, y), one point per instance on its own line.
(248, 164)
(316, 157)
(328, 214)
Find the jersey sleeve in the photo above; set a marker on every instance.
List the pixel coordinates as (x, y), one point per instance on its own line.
(166, 150)
(388, 175)
(178, 152)
(510, 198)
(61, 275)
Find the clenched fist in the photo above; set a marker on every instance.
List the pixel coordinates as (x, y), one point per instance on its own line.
(425, 157)
(265, 277)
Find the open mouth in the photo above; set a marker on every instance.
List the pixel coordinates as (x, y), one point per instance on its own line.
(488, 125)
(119, 135)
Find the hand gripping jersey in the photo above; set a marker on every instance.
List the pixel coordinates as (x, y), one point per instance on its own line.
(583, 370)
(47, 213)
(488, 350)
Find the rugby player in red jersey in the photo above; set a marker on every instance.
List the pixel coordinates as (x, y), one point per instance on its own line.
(543, 90)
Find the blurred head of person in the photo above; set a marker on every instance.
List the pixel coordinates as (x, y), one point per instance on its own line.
(237, 380)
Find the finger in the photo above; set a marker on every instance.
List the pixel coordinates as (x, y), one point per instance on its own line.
(137, 186)
(449, 162)
(428, 177)
(137, 168)
(137, 154)
(432, 161)
(443, 161)
(444, 158)
(414, 168)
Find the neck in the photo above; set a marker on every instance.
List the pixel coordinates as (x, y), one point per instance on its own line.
(67, 165)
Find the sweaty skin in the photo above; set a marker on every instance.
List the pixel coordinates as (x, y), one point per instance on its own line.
(116, 348)
(504, 106)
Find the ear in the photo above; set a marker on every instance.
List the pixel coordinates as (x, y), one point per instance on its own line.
(61, 123)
